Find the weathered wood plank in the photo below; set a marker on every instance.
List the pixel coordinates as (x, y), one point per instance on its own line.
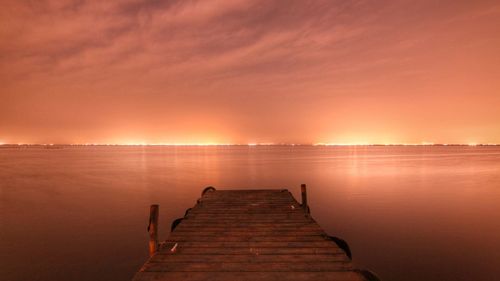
(254, 251)
(274, 244)
(250, 276)
(248, 238)
(292, 221)
(253, 222)
(242, 232)
(225, 228)
(205, 266)
(338, 257)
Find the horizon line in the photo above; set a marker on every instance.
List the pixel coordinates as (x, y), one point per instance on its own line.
(250, 144)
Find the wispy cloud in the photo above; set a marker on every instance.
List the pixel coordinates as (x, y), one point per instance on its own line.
(267, 57)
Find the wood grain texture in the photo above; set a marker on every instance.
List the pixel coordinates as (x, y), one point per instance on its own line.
(248, 235)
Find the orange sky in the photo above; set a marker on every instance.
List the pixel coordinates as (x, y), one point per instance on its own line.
(140, 71)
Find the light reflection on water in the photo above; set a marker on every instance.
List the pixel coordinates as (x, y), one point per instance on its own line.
(408, 213)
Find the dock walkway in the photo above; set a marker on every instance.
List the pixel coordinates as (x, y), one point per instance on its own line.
(248, 235)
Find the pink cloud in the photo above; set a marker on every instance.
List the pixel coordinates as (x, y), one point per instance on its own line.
(240, 63)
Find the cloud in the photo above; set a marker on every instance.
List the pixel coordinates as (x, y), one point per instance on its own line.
(138, 57)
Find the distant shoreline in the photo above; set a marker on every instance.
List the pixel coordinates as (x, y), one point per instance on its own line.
(56, 146)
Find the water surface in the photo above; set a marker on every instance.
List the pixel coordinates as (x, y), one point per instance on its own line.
(408, 213)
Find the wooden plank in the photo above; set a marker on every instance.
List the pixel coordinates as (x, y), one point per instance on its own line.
(247, 216)
(290, 223)
(255, 229)
(242, 232)
(261, 213)
(338, 257)
(250, 276)
(262, 220)
(274, 244)
(205, 266)
(241, 238)
(254, 251)
(226, 228)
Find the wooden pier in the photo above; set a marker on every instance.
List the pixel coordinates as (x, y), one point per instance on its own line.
(248, 235)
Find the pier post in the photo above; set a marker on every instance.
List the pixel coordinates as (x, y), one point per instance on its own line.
(153, 229)
(303, 191)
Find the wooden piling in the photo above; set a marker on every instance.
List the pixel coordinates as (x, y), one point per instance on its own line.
(303, 191)
(153, 229)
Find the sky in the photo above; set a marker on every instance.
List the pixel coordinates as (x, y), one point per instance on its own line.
(207, 72)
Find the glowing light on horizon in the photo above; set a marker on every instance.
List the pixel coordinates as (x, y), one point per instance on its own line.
(157, 144)
(263, 143)
(342, 144)
(402, 144)
(250, 144)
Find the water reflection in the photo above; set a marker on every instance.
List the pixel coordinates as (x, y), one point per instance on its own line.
(408, 213)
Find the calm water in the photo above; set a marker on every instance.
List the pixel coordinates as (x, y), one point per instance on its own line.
(408, 213)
